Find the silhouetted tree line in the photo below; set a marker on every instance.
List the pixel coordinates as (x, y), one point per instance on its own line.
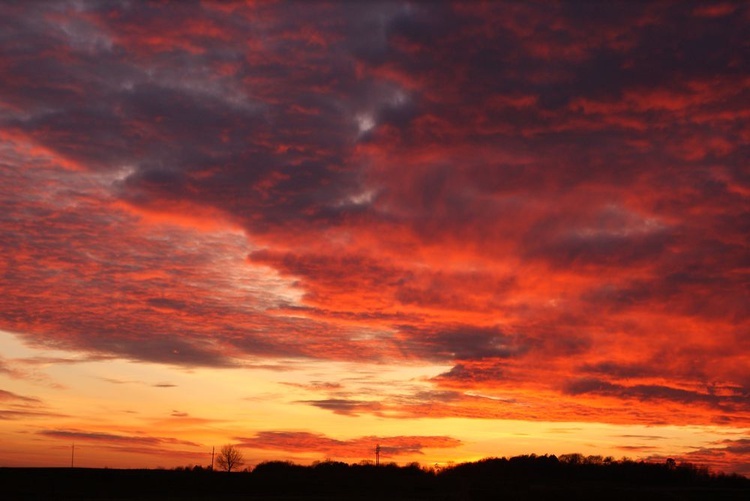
(570, 476)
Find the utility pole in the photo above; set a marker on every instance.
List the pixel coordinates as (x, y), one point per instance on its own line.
(377, 455)
(213, 449)
(72, 454)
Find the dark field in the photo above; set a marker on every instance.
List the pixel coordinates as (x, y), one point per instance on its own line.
(520, 478)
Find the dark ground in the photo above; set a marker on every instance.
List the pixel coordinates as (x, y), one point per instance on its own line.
(520, 478)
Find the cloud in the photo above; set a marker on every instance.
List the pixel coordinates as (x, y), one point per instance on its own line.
(635, 448)
(741, 446)
(10, 396)
(725, 404)
(552, 199)
(344, 406)
(621, 371)
(317, 385)
(45, 361)
(643, 437)
(124, 381)
(731, 455)
(18, 407)
(463, 373)
(24, 414)
(362, 447)
(646, 392)
(115, 439)
(463, 342)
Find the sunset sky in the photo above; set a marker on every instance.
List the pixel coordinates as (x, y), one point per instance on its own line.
(458, 230)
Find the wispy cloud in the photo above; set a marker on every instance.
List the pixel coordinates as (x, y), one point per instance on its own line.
(14, 397)
(112, 438)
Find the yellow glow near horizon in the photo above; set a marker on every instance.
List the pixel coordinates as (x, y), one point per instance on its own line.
(208, 407)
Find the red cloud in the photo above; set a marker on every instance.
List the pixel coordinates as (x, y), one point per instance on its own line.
(363, 447)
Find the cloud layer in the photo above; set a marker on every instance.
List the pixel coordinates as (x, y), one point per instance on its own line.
(552, 199)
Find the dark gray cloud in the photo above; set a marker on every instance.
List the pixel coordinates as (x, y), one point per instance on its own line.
(346, 407)
(466, 374)
(733, 398)
(463, 342)
(622, 371)
(741, 446)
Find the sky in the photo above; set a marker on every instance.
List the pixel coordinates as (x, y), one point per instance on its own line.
(457, 230)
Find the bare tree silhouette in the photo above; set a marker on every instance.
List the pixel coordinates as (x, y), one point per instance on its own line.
(229, 458)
